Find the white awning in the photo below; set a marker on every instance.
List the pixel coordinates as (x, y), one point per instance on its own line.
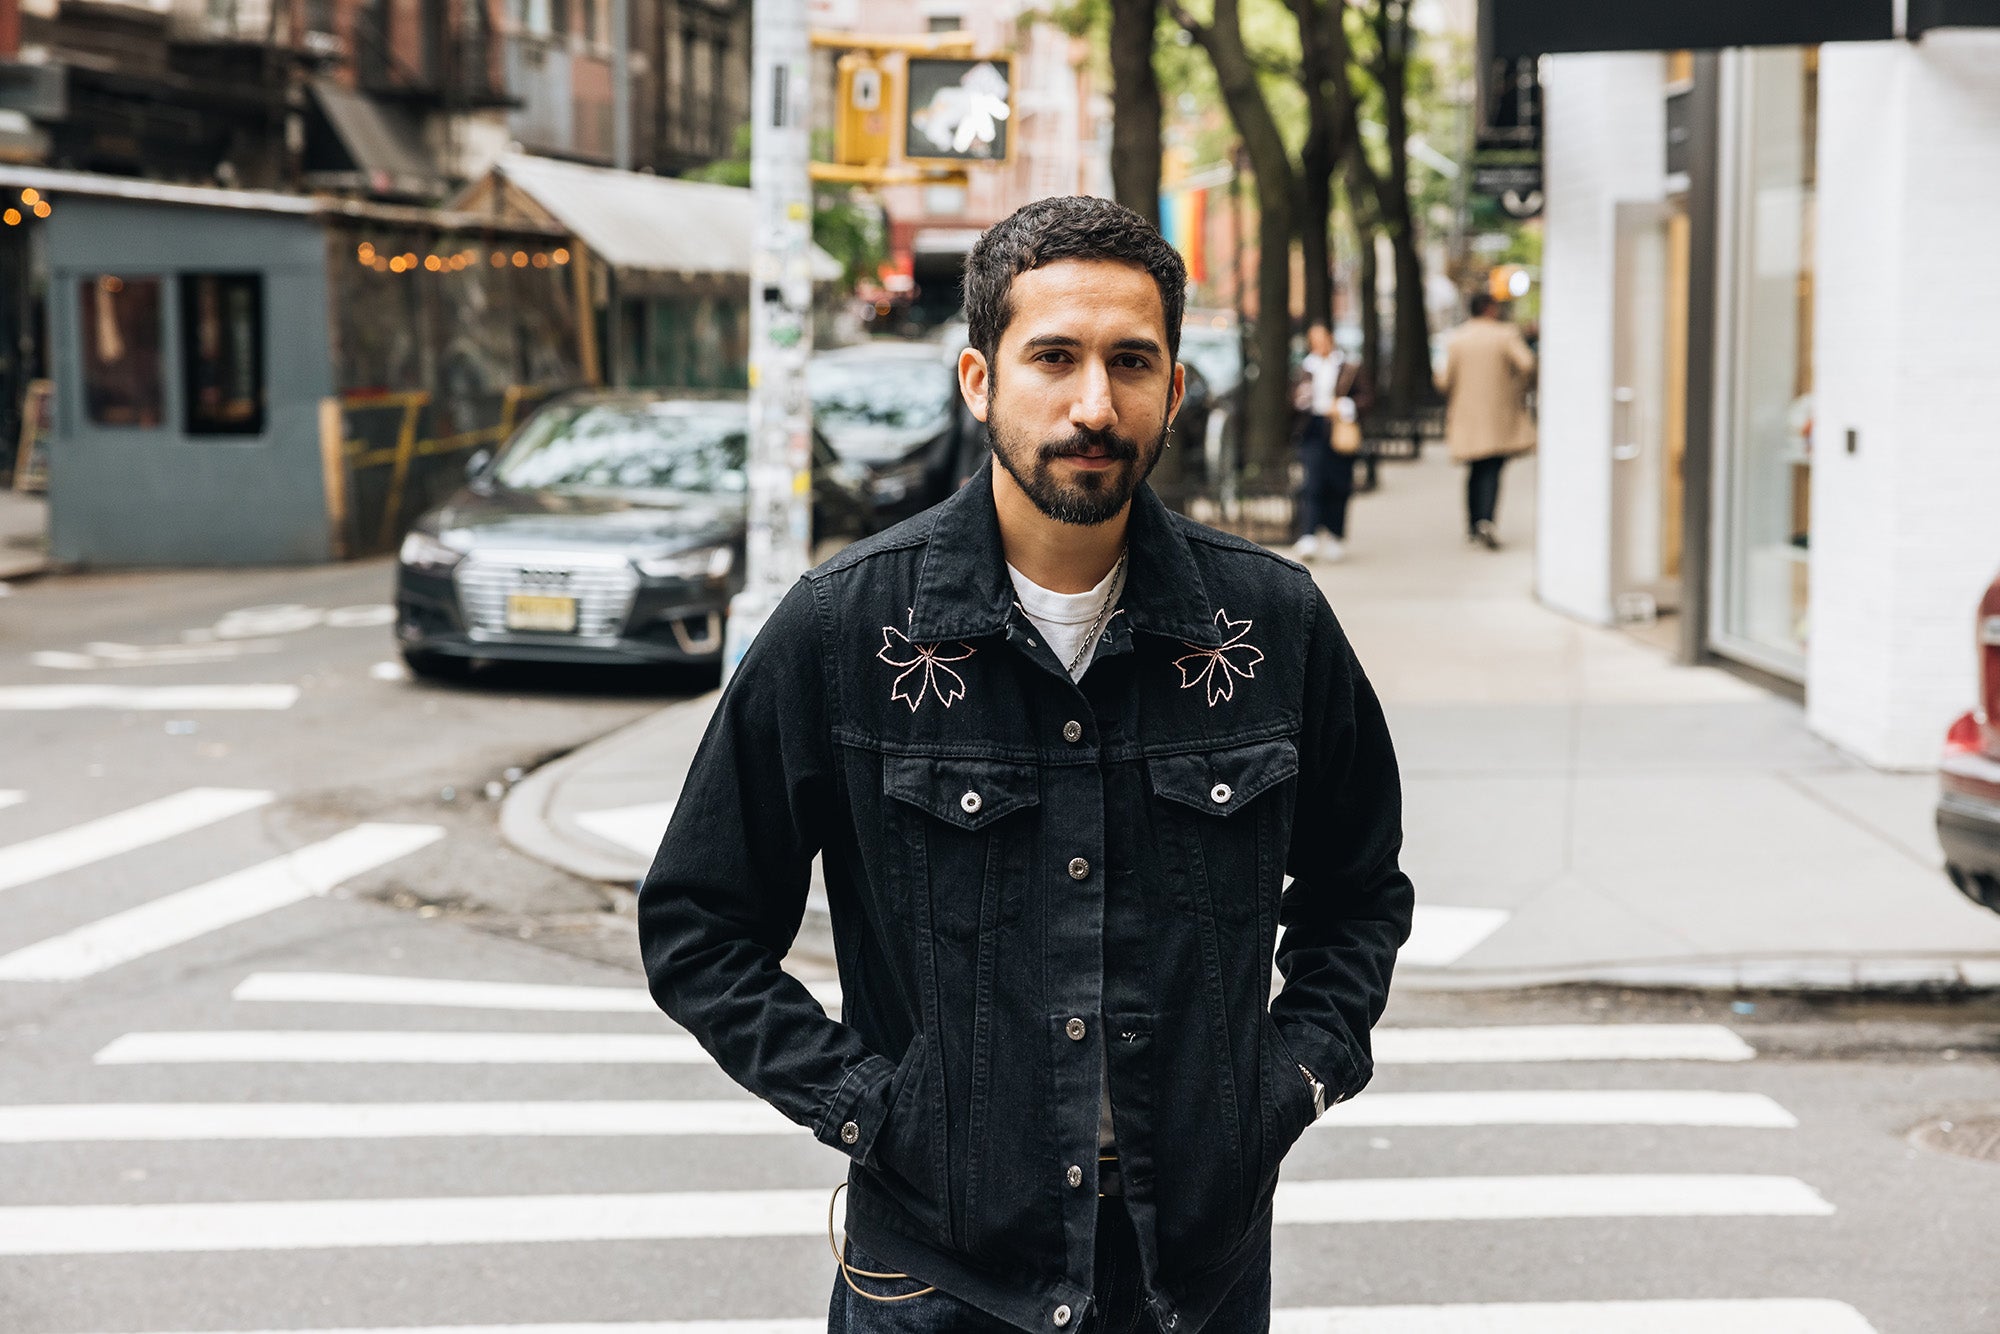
(649, 224)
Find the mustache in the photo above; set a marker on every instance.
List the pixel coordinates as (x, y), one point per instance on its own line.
(1109, 443)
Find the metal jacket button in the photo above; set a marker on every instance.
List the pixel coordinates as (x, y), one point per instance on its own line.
(1079, 869)
(1072, 731)
(849, 1133)
(1220, 794)
(1075, 1030)
(1074, 1175)
(970, 803)
(1061, 1316)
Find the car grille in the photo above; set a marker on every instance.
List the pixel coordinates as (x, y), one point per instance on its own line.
(603, 590)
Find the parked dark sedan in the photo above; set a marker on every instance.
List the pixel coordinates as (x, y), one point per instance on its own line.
(894, 409)
(609, 529)
(1968, 812)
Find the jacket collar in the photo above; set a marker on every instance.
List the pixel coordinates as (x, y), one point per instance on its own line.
(963, 590)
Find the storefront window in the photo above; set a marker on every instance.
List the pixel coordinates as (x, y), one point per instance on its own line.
(121, 350)
(1764, 523)
(222, 351)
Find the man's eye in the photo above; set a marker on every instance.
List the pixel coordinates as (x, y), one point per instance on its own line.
(1133, 361)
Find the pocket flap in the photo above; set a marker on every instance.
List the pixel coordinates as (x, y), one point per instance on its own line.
(1223, 782)
(968, 793)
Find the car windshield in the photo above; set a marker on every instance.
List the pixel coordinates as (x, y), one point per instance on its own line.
(1216, 353)
(893, 393)
(685, 446)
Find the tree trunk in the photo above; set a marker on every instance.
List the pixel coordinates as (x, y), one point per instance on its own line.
(1135, 108)
(1368, 276)
(1410, 382)
(1267, 434)
(1323, 60)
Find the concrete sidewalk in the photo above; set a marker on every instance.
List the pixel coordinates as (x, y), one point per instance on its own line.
(1578, 809)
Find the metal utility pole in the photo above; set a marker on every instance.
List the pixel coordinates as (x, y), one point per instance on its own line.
(780, 518)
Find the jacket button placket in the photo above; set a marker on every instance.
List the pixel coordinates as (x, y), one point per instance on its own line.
(1073, 807)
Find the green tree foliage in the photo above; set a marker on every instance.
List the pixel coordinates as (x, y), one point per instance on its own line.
(845, 225)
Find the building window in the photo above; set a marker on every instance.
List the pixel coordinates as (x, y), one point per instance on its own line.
(946, 23)
(121, 350)
(222, 353)
(1765, 521)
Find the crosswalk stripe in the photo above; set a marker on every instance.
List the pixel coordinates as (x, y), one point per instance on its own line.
(181, 917)
(9, 797)
(127, 831)
(1393, 1046)
(1559, 1042)
(1753, 1316)
(499, 1220)
(109, 1122)
(178, 699)
(1440, 935)
(371, 1046)
(1562, 1107)
(376, 989)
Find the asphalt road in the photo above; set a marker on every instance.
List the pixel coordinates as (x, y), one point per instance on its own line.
(290, 1041)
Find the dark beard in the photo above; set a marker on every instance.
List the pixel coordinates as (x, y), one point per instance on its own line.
(1093, 497)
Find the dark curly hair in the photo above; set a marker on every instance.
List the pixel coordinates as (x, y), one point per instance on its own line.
(1058, 228)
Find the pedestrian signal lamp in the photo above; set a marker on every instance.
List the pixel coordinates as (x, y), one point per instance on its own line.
(865, 96)
(958, 110)
(1508, 282)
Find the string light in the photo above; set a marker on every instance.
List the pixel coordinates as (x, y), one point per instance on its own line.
(396, 265)
(499, 260)
(366, 253)
(31, 196)
(12, 217)
(433, 263)
(42, 209)
(541, 261)
(520, 259)
(561, 255)
(380, 265)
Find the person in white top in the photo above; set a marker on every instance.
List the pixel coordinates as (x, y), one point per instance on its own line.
(1329, 481)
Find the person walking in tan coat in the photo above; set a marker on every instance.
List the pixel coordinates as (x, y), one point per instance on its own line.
(1488, 370)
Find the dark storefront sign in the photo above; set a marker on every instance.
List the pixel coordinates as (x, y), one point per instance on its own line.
(1535, 27)
(1507, 158)
(1927, 14)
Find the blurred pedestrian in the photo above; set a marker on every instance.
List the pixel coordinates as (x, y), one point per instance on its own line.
(1330, 404)
(1007, 727)
(1488, 371)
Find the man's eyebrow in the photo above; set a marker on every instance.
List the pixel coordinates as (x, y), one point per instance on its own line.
(1040, 341)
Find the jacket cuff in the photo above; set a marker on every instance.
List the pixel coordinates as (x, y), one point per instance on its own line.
(1335, 1063)
(859, 1108)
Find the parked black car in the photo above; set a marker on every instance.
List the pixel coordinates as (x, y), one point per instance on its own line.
(610, 529)
(894, 408)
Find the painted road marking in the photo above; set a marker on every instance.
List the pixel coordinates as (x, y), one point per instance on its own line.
(374, 989)
(234, 898)
(1441, 936)
(133, 1122)
(1752, 1316)
(130, 1229)
(314, 1047)
(175, 698)
(9, 797)
(1559, 1042)
(1563, 1107)
(127, 831)
(636, 828)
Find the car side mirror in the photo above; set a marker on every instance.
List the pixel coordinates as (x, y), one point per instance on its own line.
(476, 466)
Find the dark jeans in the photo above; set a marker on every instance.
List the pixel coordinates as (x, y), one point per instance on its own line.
(1482, 491)
(1329, 480)
(1120, 1302)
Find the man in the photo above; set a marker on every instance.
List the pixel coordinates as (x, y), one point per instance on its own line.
(1487, 372)
(1057, 748)
(1329, 390)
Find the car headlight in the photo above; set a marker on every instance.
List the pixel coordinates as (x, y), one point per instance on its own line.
(421, 551)
(715, 562)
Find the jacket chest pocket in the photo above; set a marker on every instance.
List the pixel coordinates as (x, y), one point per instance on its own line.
(1222, 819)
(958, 829)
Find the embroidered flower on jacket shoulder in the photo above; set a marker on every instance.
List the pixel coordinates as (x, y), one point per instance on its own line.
(1219, 667)
(924, 667)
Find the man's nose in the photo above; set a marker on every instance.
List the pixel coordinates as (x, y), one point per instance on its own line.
(1093, 410)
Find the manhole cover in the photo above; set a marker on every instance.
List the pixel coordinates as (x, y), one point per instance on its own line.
(1963, 1137)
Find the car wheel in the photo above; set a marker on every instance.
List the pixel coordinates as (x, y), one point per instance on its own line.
(437, 666)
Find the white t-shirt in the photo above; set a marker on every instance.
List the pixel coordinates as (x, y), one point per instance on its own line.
(1064, 619)
(1325, 372)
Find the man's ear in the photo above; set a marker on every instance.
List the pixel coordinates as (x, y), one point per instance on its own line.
(1178, 394)
(975, 381)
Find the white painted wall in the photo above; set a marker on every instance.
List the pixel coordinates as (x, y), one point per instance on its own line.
(1604, 143)
(1907, 353)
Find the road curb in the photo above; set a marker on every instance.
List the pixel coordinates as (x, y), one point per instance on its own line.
(1887, 976)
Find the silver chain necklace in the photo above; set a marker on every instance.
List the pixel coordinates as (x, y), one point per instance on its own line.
(1103, 613)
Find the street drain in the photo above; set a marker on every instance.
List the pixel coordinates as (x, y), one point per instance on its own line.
(1968, 1137)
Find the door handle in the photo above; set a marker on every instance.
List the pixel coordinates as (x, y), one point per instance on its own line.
(1623, 448)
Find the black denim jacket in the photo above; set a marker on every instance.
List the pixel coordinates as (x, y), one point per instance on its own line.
(1022, 869)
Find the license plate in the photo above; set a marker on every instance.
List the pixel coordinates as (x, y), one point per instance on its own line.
(534, 611)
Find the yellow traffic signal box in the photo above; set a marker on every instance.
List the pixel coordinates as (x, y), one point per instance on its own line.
(865, 89)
